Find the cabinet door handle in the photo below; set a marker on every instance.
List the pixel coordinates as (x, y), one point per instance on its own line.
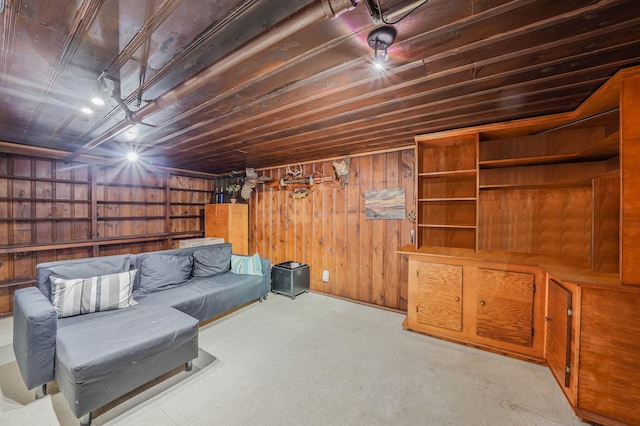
(457, 299)
(482, 303)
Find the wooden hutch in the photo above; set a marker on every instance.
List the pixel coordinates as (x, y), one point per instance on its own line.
(230, 222)
(528, 244)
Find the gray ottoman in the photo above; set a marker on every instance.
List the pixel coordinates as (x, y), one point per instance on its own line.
(102, 356)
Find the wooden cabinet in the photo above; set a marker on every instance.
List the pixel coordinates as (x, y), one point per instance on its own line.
(231, 222)
(608, 390)
(514, 203)
(493, 306)
(592, 344)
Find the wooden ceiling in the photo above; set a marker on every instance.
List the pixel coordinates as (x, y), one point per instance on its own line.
(201, 94)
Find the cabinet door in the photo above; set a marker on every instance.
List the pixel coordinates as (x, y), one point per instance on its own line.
(439, 296)
(559, 312)
(217, 227)
(222, 210)
(238, 216)
(505, 306)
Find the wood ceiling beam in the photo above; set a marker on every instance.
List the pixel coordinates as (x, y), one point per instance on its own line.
(574, 27)
(461, 109)
(455, 10)
(578, 40)
(466, 94)
(231, 92)
(305, 17)
(82, 21)
(419, 91)
(151, 23)
(398, 120)
(182, 56)
(10, 16)
(390, 139)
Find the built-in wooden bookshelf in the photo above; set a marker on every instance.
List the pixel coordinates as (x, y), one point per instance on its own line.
(52, 210)
(537, 192)
(447, 191)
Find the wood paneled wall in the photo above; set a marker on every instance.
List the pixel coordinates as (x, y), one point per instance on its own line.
(328, 230)
(54, 210)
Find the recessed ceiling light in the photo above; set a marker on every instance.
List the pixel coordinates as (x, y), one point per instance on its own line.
(132, 156)
(86, 110)
(96, 100)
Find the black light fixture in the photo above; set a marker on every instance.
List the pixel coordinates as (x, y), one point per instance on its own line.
(379, 40)
(99, 92)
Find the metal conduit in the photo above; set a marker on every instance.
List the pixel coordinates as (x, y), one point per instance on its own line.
(304, 18)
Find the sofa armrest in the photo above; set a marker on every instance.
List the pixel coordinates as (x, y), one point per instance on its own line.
(35, 324)
(266, 271)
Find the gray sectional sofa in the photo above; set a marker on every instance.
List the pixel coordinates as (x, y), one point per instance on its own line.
(103, 326)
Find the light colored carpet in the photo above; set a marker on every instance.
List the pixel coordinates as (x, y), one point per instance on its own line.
(36, 413)
(323, 361)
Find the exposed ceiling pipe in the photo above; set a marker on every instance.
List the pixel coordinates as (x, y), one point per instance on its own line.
(303, 18)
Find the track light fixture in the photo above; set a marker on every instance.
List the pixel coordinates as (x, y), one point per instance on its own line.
(100, 91)
(379, 40)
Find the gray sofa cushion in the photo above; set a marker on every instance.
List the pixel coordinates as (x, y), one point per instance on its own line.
(207, 297)
(163, 271)
(211, 260)
(104, 355)
(80, 268)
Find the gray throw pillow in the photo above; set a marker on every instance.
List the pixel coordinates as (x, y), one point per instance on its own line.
(163, 271)
(81, 269)
(212, 260)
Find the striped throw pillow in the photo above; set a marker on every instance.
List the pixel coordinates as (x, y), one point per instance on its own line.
(84, 295)
(247, 265)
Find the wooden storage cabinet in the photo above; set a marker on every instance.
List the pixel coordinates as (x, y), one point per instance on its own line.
(608, 389)
(493, 306)
(228, 221)
(559, 193)
(592, 345)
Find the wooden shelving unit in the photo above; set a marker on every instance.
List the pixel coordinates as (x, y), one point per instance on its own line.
(449, 173)
(543, 182)
(447, 191)
(52, 210)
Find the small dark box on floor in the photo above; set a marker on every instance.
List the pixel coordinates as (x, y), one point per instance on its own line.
(290, 278)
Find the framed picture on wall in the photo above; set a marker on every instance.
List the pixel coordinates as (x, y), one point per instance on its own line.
(384, 204)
